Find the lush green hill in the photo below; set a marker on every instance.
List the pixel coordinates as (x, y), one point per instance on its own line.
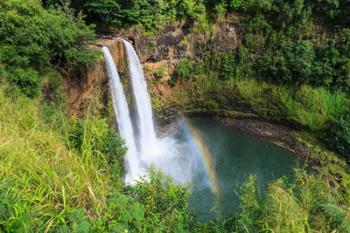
(59, 174)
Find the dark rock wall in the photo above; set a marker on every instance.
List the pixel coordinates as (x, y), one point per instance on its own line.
(175, 43)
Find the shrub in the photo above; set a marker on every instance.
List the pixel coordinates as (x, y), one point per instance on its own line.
(251, 5)
(166, 204)
(108, 11)
(185, 70)
(149, 14)
(39, 37)
(339, 134)
(287, 63)
(27, 80)
(333, 12)
(231, 63)
(227, 67)
(331, 68)
(159, 73)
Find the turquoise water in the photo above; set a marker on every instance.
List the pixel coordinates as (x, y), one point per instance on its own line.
(233, 157)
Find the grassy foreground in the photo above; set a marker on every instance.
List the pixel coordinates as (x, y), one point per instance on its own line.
(64, 175)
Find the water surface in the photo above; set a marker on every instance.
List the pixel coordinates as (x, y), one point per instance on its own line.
(233, 157)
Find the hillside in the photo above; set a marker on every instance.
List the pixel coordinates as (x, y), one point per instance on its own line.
(276, 70)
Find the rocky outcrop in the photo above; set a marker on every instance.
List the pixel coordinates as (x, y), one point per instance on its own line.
(175, 42)
(89, 93)
(86, 93)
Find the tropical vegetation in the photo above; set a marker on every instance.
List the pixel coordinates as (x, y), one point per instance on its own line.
(64, 174)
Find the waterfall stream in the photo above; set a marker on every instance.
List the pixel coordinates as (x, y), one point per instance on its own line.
(123, 117)
(144, 148)
(142, 102)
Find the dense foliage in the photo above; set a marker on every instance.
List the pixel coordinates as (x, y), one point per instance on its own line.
(64, 175)
(150, 14)
(33, 40)
(339, 134)
(302, 63)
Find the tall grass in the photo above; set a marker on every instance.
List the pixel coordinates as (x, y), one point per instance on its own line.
(311, 107)
(64, 175)
(43, 178)
(315, 107)
(312, 203)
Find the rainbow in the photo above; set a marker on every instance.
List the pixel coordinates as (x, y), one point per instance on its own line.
(206, 158)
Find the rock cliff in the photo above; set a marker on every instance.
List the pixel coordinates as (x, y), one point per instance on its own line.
(159, 54)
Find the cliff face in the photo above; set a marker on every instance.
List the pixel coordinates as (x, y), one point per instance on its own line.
(158, 53)
(89, 93)
(175, 42)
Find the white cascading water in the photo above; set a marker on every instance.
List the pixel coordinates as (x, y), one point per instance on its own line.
(123, 118)
(142, 101)
(175, 158)
(166, 153)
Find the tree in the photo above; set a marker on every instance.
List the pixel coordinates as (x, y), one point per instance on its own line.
(33, 39)
(287, 63)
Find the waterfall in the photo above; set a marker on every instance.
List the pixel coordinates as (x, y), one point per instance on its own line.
(142, 101)
(121, 109)
(177, 159)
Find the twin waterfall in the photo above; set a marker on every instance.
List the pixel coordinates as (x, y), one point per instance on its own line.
(140, 138)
